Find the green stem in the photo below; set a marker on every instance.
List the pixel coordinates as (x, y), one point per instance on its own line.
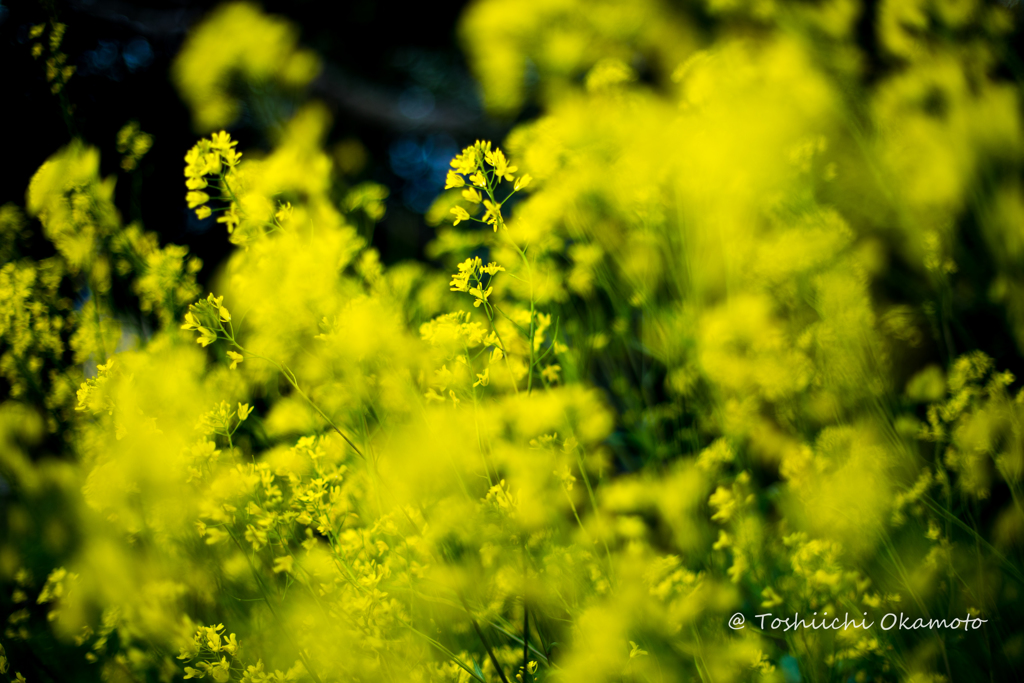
(504, 349)
(480, 635)
(270, 606)
(445, 651)
(526, 623)
(290, 376)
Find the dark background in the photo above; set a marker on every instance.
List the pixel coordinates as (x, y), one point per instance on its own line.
(394, 78)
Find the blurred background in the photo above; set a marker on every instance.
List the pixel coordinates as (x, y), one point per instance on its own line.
(393, 75)
(726, 321)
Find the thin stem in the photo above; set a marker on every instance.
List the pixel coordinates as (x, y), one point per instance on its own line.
(526, 639)
(504, 349)
(480, 635)
(270, 606)
(445, 651)
(290, 376)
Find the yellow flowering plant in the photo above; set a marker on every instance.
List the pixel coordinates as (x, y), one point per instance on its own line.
(216, 157)
(484, 169)
(708, 387)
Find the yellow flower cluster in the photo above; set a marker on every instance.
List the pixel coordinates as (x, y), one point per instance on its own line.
(208, 642)
(238, 40)
(217, 157)
(698, 390)
(484, 169)
(58, 71)
(133, 143)
(468, 279)
(207, 317)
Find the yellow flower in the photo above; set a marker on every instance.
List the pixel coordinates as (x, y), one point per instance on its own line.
(466, 162)
(231, 645)
(724, 503)
(244, 409)
(522, 182)
(221, 671)
(213, 165)
(460, 215)
(493, 214)
(284, 213)
(500, 163)
(195, 198)
(481, 295)
(207, 337)
(236, 358)
(467, 269)
(231, 157)
(492, 268)
(196, 183)
(550, 372)
(454, 180)
(230, 218)
(565, 475)
(222, 141)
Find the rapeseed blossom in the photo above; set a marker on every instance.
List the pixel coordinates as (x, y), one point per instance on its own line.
(674, 378)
